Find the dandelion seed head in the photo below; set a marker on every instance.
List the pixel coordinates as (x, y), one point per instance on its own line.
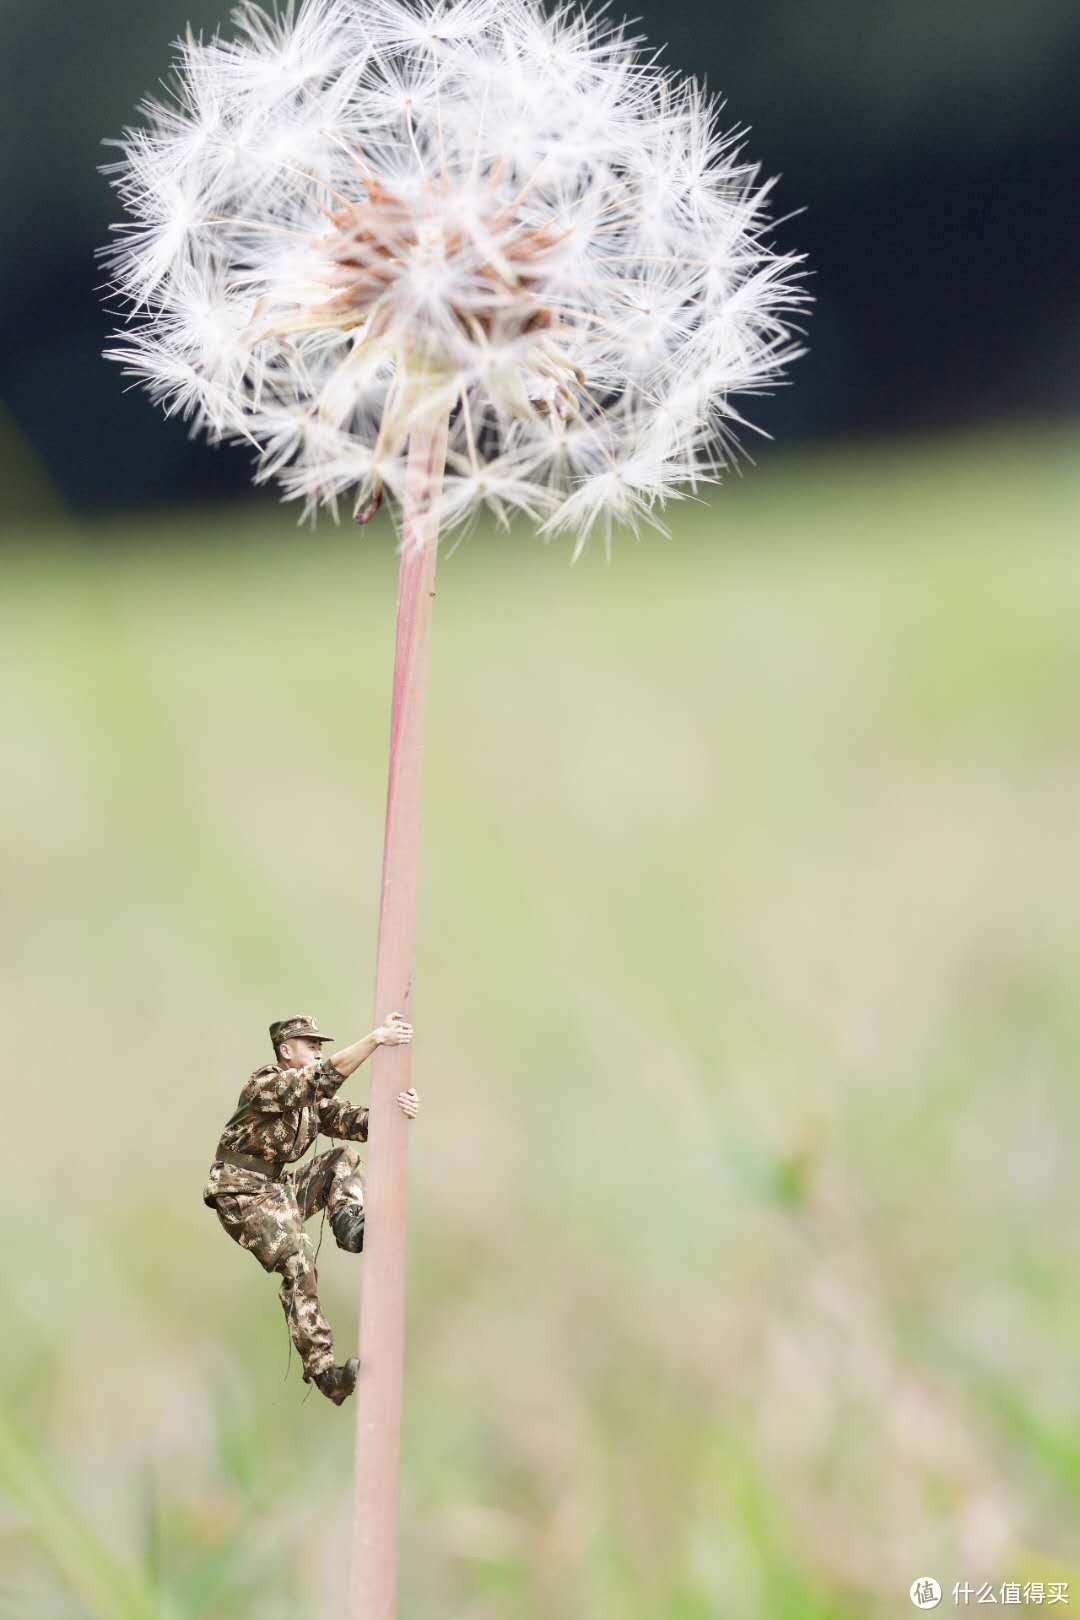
(350, 214)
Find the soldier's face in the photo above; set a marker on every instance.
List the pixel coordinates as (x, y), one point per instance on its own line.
(299, 1052)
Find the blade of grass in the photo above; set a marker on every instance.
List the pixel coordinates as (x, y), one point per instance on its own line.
(76, 1552)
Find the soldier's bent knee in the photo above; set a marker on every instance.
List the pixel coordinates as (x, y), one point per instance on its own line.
(298, 1262)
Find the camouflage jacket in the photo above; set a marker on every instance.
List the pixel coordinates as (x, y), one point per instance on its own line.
(278, 1116)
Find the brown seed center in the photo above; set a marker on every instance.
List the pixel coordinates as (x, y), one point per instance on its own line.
(374, 239)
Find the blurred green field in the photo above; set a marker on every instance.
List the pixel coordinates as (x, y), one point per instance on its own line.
(743, 1268)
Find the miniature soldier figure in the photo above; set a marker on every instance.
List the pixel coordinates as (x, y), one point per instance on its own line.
(263, 1206)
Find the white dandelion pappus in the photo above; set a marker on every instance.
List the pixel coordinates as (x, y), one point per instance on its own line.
(357, 214)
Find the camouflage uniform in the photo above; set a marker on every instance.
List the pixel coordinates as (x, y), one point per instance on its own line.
(279, 1114)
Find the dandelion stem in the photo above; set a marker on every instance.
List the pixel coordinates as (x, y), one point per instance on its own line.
(373, 1580)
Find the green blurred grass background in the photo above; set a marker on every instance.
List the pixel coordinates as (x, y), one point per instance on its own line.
(743, 1277)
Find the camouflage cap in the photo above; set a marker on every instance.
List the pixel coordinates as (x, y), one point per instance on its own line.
(303, 1024)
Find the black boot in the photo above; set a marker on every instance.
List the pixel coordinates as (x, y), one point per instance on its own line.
(347, 1225)
(338, 1383)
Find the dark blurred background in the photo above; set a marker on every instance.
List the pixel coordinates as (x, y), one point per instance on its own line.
(934, 146)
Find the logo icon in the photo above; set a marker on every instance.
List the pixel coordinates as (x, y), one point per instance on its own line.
(925, 1593)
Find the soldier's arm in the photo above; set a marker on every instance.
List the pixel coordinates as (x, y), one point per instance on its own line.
(349, 1121)
(346, 1121)
(276, 1089)
(394, 1031)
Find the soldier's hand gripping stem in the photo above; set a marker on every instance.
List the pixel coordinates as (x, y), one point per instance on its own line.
(393, 1031)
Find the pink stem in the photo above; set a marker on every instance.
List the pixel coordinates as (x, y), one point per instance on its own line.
(373, 1580)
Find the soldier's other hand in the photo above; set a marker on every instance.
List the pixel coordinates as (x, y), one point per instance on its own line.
(395, 1031)
(410, 1102)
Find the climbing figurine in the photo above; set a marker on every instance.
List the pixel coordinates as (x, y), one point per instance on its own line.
(282, 1109)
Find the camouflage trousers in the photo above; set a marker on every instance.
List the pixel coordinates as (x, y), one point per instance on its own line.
(271, 1225)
